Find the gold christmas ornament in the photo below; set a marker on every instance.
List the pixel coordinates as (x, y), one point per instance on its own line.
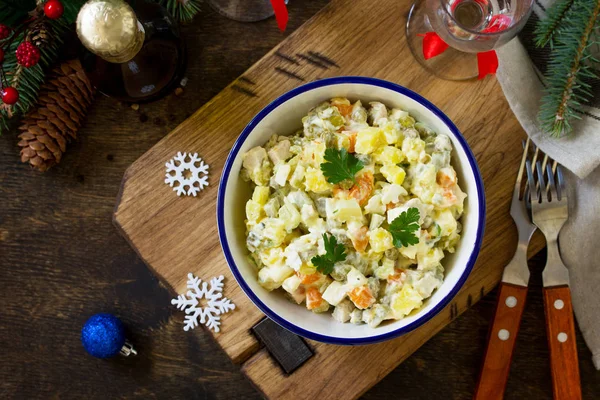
(110, 29)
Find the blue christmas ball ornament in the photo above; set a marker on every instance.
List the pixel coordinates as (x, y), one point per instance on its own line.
(103, 336)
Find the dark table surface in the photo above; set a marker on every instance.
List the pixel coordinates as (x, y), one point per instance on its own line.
(61, 260)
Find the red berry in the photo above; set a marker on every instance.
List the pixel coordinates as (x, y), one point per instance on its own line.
(1, 56)
(28, 54)
(9, 95)
(53, 9)
(4, 31)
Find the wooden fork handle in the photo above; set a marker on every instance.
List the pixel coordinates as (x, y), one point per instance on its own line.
(560, 329)
(501, 342)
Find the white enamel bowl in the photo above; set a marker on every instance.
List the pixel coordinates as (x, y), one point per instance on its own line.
(283, 117)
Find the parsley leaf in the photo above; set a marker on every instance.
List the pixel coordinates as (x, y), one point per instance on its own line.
(403, 227)
(339, 165)
(335, 253)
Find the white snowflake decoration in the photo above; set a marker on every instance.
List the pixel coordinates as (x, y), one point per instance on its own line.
(186, 171)
(216, 304)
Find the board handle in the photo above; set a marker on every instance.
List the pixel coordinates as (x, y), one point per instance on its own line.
(501, 342)
(560, 329)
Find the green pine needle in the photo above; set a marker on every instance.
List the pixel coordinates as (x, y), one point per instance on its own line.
(572, 33)
(29, 80)
(548, 27)
(182, 10)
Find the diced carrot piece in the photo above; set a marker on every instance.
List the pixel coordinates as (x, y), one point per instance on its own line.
(449, 195)
(390, 206)
(445, 180)
(344, 109)
(352, 138)
(308, 279)
(359, 238)
(339, 192)
(361, 297)
(313, 298)
(362, 189)
(397, 277)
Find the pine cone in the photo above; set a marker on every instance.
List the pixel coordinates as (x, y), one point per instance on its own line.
(62, 105)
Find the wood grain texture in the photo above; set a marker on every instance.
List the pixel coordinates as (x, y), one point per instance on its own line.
(149, 210)
(62, 260)
(502, 338)
(560, 329)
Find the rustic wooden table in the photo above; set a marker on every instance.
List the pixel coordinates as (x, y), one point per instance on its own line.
(62, 260)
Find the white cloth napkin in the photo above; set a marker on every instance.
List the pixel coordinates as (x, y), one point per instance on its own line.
(520, 77)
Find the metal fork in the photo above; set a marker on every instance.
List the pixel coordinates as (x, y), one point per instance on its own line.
(549, 204)
(511, 297)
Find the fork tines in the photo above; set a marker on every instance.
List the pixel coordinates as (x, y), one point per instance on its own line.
(542, 186)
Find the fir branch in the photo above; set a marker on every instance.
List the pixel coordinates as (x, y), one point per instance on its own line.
(14, 11)
(28, 80)
(570, 68)
(182, 10)
(547, 28)
(72, 8)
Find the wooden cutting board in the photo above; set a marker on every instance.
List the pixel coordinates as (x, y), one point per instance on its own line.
(176, 235)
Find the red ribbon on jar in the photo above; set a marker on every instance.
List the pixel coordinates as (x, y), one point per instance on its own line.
(487, 61)
(281, 13)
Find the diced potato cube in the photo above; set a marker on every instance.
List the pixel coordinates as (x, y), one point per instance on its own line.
(346, 210)
(412, 148)
(386, 269)
(397, 114)
(272, 277)
(253, 211)
(335, 293)
(380, 240)
(430, 259)
(315, 181)
(403, 302)
(391, 193)
(291, 284)
(378, 113)
(261, 195)
(272, 257)
(388, 155)
(306, 269)
(290, 216)
(428, 283)
(313, 153)
(355, 279)
(375, 205)
(282, 171)
(369, 140)
(272, 207)
(446, 221)
(297, 177)
(298, 296)
(409, 251)
(393, 174)
(376, 221)
(391, 132)
(274, 230)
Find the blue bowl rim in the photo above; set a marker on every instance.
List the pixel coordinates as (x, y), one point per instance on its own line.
(227, 170)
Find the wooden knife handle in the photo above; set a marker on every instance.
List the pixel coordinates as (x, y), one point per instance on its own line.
(501, 342)
(560, 329)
